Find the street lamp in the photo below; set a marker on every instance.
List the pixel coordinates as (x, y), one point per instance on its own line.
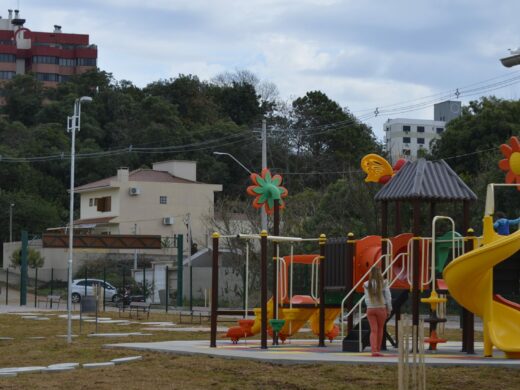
(511, 60)
(73, 125)
(233, 157)
(11, 222)
(262, 211)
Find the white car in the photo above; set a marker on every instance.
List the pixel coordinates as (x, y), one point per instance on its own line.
(78, 289)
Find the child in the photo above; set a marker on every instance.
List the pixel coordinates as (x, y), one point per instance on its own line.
(502, 224)
(379, 306)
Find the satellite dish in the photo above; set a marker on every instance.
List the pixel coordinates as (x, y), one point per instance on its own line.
(455, 108)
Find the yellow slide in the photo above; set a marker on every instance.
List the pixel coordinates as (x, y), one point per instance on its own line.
(470, 281)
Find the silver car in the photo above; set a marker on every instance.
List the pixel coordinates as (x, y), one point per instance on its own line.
(80, 286)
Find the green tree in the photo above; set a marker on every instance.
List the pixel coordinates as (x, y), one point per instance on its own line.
(23, 98)
(34, 258)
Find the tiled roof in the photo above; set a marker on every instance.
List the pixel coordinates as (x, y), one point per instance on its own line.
(149, 175)
(426, 180)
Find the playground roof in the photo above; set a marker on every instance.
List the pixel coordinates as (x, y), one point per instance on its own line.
(426, 180)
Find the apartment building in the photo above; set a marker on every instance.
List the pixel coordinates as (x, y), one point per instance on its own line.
(412, 138)
(51, 56)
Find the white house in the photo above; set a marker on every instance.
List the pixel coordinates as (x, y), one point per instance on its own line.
(165, 200)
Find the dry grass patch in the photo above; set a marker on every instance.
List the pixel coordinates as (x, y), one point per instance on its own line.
(162, 370)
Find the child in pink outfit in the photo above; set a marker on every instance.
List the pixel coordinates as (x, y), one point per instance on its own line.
(379, 305)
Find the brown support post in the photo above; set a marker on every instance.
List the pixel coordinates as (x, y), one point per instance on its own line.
(263, 289)
(384, 248)
(276, 232)
(349, 277)
(214, 291)
(323, 241)
(469, 320)
(416, 231)
(397, 222)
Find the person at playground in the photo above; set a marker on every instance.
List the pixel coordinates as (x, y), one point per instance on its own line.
(502, 224)
(379, 306)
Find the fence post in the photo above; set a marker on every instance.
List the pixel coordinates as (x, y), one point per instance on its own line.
(166, 292)
(36, 286)
(86, 277)
(191, 287)
(144, 282)
(52, 286)
(7, 286)
(124, 280)
(23, 269)
(104, 284)
(214, 291)
(179, 270)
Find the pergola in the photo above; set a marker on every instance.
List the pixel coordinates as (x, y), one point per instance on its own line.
(425, 182)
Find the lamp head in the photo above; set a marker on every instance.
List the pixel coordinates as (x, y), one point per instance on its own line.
(219, 153)
(85, 99)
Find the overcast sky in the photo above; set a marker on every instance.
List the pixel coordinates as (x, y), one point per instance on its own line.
(362, 53)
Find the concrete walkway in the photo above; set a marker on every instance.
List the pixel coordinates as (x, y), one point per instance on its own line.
(305, 351)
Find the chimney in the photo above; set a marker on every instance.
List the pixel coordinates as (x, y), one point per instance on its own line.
(57, 29)
(122, 175)
(16, 13)
(10, 13)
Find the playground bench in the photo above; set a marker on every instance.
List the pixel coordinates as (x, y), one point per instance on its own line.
(49, 300)
(137, 307)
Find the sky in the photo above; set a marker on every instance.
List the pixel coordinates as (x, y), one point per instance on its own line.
(363, 54)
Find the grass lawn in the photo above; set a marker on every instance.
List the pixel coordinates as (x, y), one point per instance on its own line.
(158, 370)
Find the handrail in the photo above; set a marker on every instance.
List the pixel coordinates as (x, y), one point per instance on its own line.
(314, 279)
(282, 278)
(434, 222)
(362, 299)
(361, 280)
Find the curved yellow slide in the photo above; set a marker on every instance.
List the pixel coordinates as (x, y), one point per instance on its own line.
(470, 281)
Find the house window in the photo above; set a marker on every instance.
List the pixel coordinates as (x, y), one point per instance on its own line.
(420, 141)
(91, 202)
(406, 152)
(104, 204)
(439, 130)
(406, 140)
(163, 199)
(406, 129)
(420, 129)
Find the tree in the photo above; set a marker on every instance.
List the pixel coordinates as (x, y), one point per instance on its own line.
(326, 138)
(34, 258)
(23, 98)
(482, 127)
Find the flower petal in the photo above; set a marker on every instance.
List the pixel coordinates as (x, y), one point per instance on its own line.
(506, 150)
(504, 165)
(515, 143)
(510, 177)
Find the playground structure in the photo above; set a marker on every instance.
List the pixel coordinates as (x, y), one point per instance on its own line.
(410, 262)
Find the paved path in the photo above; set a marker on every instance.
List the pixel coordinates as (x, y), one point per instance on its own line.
(305, 351)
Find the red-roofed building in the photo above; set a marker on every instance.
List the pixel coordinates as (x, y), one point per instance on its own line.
(51, 56)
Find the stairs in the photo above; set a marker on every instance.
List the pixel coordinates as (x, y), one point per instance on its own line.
(351, 341)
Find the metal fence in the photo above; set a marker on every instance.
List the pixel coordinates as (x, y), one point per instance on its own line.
(157, 285)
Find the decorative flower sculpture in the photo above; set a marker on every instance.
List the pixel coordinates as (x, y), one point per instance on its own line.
(511, 163)
(266, 190)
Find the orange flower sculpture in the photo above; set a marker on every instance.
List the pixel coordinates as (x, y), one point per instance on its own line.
(511, 163)
(266, 190)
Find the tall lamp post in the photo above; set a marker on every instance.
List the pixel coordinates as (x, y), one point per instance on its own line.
(73, 125)
(11, 222)
(264, 215)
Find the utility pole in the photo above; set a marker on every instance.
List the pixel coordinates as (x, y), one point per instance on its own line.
(263, 214)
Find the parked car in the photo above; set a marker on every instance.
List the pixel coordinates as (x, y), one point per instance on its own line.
(78, 289)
